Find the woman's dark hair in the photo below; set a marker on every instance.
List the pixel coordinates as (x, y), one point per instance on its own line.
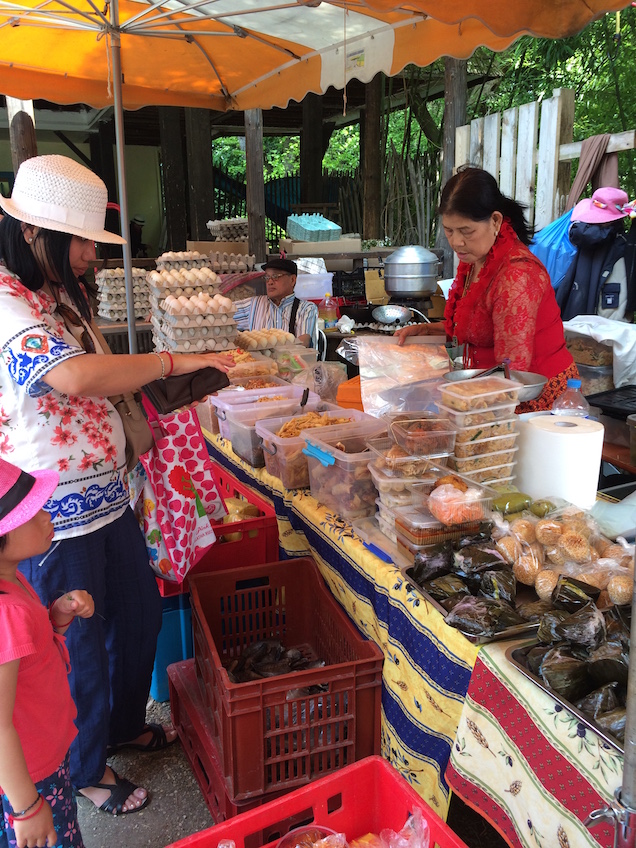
(53, 247)
(3, 542)
(474, 193)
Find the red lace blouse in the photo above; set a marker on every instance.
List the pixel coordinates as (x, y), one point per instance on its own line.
(509, 311)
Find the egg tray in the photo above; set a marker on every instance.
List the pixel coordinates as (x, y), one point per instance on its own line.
(120, 297)
(118, 274)
(121, 315)
(159, 293)
(209, 345)
(183, 264)
(215, 331)
(196, 319)
(183, 276)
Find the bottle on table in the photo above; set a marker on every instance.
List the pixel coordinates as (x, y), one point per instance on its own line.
(572, 401)
(328, 311)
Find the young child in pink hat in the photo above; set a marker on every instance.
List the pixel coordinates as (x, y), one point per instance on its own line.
(36, 708)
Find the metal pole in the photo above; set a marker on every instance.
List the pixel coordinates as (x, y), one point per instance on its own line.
(115, 50)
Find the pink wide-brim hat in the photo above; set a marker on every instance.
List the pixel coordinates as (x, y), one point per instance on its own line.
(605, 205)
(23, 495)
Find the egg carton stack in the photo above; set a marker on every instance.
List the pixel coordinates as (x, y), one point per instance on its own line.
(188, 312)
(230, 229)
(112, 294)
(232, 263)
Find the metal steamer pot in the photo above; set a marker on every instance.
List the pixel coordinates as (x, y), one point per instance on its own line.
(411, 272)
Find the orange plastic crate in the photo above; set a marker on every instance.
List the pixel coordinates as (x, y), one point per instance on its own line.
(271, 733)
(362, 798)
(349, 395)
(258, 541)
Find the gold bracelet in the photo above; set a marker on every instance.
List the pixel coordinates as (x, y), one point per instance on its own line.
(163, 364)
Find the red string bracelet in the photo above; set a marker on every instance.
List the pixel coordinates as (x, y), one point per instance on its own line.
(22, 818)
(171, 362)
(59, 623)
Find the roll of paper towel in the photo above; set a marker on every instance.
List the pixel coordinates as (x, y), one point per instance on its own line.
(560, 456)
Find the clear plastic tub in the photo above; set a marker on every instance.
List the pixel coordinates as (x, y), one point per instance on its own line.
(373, 531)
(390, 483)
(483, 460)
(473, 395)
(284, 457)
(294, 359)
(387, 529)
(248, 384)
(487, 415)
(484, 447)
(392, 459)
(418, 527)
(492, 474)
(455, 506)
(481, 432)
(387, 513)
(425, 436)
(596, 378)
(240, 425)
(339, 476)
(224, 408)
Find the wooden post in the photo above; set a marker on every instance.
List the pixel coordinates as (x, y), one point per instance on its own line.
(174, 182)
(455, 93)
(255, 183)
(21, 131)
(372, 169)
(311, 151)
(200, 176)
(101, 146)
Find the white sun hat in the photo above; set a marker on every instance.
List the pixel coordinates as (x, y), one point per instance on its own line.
(57, 193)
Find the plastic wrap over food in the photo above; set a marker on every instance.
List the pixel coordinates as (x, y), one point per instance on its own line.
(403, 378)
(322, 378)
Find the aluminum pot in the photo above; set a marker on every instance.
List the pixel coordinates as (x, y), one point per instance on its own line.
(411, 271)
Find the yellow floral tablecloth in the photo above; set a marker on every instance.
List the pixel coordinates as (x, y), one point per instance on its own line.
(427, 665)
(527, 764)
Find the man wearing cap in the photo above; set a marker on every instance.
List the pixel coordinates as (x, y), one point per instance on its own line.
(137, 248)
(279, 309)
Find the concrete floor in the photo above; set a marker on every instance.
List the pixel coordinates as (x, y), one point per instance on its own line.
(177, 808)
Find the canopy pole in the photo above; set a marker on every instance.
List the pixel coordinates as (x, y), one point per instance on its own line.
(115, 50)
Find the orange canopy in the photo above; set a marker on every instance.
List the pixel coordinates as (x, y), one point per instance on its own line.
(243, 54)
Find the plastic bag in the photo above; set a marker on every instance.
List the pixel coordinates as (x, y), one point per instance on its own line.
(553, 247)
(401, 378)
(414, 834)
(323, 378)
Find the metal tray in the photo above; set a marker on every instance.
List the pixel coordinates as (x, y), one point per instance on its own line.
(516, 654)
(509, 633)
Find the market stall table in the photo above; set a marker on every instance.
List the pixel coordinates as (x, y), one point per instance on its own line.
(427, 665)
(527, 764)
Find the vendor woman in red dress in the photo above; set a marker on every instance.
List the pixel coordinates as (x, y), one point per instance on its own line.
(501, 304)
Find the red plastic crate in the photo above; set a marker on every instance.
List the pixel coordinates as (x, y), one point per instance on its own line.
(270, 733)
(258, 542)
(362, 798)
(193, 727)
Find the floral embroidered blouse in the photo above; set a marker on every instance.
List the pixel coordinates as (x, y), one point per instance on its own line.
(81, 438)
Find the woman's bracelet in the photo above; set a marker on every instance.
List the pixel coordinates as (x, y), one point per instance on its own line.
(169, 355)
(163, 364)
(21, 816)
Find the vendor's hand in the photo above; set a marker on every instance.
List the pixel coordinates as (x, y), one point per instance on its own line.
(76, 602)
(432, 329)
(38, 830)
(186, 363)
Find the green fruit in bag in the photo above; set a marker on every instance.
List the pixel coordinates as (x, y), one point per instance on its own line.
(511, 502)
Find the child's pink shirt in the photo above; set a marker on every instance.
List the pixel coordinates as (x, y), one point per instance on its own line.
(44, 710)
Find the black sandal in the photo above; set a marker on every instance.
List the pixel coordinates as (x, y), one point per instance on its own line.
(119, 794)
(158, 741)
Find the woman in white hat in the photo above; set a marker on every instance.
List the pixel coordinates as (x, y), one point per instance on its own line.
(54, 413)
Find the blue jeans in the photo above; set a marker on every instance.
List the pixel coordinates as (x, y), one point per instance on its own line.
(112, 653)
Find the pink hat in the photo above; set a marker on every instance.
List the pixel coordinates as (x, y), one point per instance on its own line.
(23, 495)
(605, 205)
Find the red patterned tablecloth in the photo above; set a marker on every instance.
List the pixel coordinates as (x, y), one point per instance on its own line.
(527, 764)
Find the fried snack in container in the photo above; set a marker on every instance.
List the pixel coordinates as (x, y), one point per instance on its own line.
(292, 429)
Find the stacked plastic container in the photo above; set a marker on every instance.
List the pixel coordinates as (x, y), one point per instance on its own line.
(112, 293)
(188, 312)
(482, 411)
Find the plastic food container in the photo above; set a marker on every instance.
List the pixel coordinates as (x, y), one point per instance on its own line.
(480, 432)
(487, 415)
(453, 506)
(284, 457)
(249, 384)
(473, 395)
(426, 436)
(418, 527)
(240, 426)
(391, 459)
(375, 537)
(596, 378)
(387, 529)
(408, 549)
(223, 408)
(483, 460)
(339, 476)
(294, 359)
(484, 447)
(492, 474)
(387, 513)
(306, 835)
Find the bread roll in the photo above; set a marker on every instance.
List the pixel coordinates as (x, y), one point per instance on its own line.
(620, 589)
(526, 568)
(544, 583)
(548, 531)
(575, 547)
(523, 529)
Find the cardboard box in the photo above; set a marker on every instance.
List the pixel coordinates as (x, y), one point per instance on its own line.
(208, 247)
(318, 248)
